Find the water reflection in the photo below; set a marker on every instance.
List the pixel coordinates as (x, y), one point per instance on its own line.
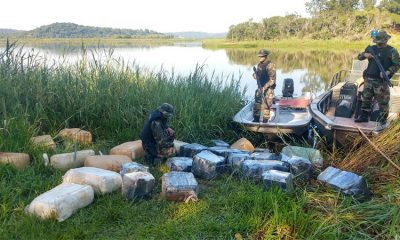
(319, 65)
(311, 70)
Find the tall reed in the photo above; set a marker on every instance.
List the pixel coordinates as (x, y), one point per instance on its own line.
(112, 97)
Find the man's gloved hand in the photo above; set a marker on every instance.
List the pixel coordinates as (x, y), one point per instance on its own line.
(368, 55)
(387, 73)
(171, 133)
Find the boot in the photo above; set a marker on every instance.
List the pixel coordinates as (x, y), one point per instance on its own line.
(363, 117)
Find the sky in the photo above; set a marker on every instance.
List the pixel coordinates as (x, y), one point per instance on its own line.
(158, 15)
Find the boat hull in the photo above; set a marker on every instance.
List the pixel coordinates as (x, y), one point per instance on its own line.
(287, 122)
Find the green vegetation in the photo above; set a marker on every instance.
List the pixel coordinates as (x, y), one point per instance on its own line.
(292, 44)
(349, 19)
(112, 100)
(72, 30)
(61, 44)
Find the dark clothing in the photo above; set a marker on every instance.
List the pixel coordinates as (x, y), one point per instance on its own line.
(266, 75)
(146, 135)
(375, 87)
(156, 139)
(389, 58)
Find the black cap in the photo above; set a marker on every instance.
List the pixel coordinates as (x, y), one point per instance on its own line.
(167, 110)
(263, 53)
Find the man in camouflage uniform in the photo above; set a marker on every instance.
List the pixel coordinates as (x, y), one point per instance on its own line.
(265, 74)
(375, 85)
(157, 138)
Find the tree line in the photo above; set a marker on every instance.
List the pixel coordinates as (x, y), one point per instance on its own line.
(350, 19)
(72, 30)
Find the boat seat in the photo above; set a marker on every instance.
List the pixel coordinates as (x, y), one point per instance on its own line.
(294, 103)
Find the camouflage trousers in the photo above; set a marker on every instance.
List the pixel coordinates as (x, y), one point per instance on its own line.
(262, 105)
(155, 153)
(378, 89)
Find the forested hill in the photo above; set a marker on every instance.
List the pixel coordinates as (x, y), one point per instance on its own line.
(7, 32)
(349, 19)
(72, 30)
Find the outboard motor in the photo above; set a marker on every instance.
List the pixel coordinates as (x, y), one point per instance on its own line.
(347, 100)
(288, 88)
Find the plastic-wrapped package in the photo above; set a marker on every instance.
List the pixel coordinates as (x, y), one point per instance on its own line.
(133, 167)
(107, 162)
(207, 165)
(255, 168)
(223, 151)
(219, 143)
(278, 178)
(76, 135)
(61, 202)
(243, 144)
(132, 149)
(347, 182)
(235, 160)
(189, 150)
(43, 141)
(311, 154)
(179, 186)
(19, 160)
(178, 144)
(102, 181)
(265, 156)
(299, 167)
(180, 164)
(66, 161)
(137, 184)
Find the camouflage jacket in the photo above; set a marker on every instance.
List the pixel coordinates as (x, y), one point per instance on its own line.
(266, 74)
(161, 134)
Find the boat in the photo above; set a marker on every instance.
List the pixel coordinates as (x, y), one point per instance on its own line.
(334, 111)
(289, 115)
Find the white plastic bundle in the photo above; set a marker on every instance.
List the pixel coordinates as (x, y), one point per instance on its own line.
(102, 181)
(61, 202)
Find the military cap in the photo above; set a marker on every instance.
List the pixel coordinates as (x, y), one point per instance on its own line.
(167, 110)
(263, 53)
(381, 37)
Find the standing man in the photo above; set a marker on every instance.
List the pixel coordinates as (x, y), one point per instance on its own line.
(265, 74)
(157, 138)
(375, 85)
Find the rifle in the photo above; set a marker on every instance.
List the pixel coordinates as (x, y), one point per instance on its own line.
(371, 50)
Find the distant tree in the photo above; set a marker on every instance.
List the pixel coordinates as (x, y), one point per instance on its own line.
(368, 4)
(392, 6)
(315, 7)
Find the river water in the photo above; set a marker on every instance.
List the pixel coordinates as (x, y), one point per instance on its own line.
(311, 70)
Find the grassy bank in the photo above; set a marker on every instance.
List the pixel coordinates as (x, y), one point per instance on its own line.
(296, 44)
(112, 100)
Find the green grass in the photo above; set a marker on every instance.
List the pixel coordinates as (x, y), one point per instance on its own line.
(112, 100)
(295, 44)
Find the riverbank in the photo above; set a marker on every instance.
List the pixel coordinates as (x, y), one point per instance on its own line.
(112, 101)
(296, 44)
